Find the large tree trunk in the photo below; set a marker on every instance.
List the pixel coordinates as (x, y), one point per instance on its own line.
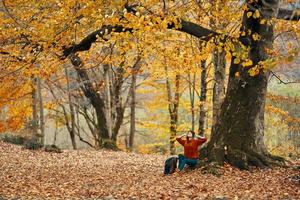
(203, 92)
(239, 132)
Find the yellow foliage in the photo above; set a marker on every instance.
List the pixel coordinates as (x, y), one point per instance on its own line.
(254, 71)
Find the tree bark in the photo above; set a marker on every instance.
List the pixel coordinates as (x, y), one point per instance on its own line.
(192, 98)
(202, 114)
(35, 120)
(132, 109)
(239, 134)
(107, 75)
(173, 104)
(41, 111)
(219, 84)
(118, 111)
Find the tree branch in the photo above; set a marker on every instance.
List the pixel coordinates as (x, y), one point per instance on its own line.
(281, 81)
(287, 14)
(87, 42)
(194, 30)
(186, 27)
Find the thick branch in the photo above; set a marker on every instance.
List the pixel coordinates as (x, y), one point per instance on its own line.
(194, 30)
(186, 27)
(87, 42)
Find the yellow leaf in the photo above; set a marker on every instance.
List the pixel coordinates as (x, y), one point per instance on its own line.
(256, 37)
(254, 71)
(256, 14)
(249, 14)
(127, 15)
(263, 21)
(236, 61)
(247, 63)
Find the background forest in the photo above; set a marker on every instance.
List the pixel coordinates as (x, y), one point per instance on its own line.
(94, 92)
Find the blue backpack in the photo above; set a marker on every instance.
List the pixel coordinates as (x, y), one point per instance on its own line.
(170, 165)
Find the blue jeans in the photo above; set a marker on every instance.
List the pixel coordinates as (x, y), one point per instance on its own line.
(184, 160)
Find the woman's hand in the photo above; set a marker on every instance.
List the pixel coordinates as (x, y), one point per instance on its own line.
(199, 137)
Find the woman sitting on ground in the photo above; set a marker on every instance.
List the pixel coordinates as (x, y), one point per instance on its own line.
(191, 153)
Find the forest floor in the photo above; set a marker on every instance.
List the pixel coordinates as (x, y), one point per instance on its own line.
(89, 174)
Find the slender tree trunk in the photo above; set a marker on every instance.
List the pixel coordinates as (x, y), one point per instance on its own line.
(203, 92)
(132, 110)
(69, 125)
(72, 112)
(107, 75)
(239, 134)
(126, 140)
(119, 108)
(41, 109)
(35, 119)
(173, 109)
(192, 98)
(55, 133)
(219, 84)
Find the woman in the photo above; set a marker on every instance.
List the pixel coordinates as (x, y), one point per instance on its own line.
(190, 145)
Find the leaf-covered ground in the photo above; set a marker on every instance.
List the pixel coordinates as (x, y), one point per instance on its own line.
(90, 174)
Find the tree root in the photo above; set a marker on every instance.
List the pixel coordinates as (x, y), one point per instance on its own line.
(109, 144)
(245, 159)
(255, 161)
(240, 159)
(269, 160)
(277, 158)
(209, 168)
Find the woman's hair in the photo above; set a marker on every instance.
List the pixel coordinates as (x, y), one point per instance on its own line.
(193, 133)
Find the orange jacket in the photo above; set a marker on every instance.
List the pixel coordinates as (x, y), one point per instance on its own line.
(191, 147)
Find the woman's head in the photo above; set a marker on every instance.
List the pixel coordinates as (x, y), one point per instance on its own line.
(191, 134)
